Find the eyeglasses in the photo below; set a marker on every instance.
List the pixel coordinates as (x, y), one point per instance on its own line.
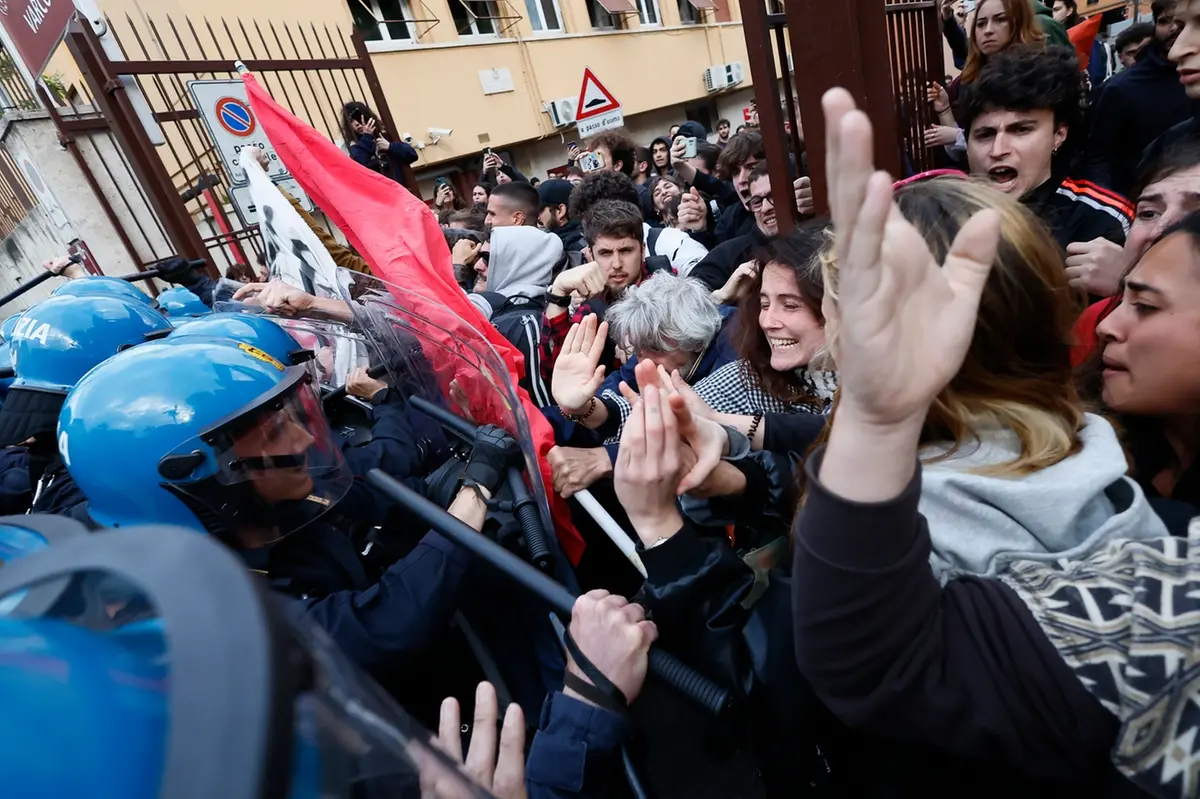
(757, 203)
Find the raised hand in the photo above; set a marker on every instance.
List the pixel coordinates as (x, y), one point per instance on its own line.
(577, 372)
(497, 766)
(941, 135)
(906, 322)
(1096, 266)
(693, 215)
(938, 97)
(802, 188)
(738, 283)
(276, 297)
(649, 467)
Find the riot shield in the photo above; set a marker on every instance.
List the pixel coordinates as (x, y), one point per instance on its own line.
(338, 349)
(186, 655)
(429, 352)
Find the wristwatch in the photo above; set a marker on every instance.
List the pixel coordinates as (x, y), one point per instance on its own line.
(562, 302)
(739, 444)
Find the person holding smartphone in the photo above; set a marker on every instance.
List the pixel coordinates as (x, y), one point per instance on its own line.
(367, 142)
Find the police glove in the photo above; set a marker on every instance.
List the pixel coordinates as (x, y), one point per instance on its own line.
(175, 270)
(494, 452)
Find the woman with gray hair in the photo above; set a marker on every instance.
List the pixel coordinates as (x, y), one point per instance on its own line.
(670, 320)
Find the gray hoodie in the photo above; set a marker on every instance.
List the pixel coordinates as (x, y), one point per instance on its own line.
(979, 523)
(521, 261)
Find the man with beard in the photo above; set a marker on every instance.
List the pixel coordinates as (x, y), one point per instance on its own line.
(1135, 107)
(554, 197)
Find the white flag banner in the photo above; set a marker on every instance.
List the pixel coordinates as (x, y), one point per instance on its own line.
(297, 257)
(294, 253)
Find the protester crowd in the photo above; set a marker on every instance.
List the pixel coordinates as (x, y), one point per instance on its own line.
(913, 482)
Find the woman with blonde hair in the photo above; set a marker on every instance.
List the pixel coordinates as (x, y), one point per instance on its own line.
(959, 450)
(1013, 466)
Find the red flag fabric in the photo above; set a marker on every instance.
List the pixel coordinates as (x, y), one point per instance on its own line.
(1083, 37)
(401, 240)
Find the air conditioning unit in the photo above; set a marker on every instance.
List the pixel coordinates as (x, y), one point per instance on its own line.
(722, 76)
(561, 111)
(716, 77)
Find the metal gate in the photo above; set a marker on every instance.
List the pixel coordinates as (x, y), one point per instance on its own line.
(884, 53)
(177, 195)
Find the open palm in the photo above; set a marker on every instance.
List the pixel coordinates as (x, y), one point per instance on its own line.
(906, 322)
(577, 372)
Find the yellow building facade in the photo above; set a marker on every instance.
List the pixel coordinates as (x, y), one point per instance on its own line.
(486, 69)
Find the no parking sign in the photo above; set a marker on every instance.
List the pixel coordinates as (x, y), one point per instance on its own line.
(225, 109)
(226, 112)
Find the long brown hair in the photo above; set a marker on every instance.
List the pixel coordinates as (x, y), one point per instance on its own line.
(796, 252)
(1017, 373)
(1025, 31)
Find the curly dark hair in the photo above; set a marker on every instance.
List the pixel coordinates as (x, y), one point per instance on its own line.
(1026, 78)
(601, 186)
(798, 252)
(613, 218)
(620, 146)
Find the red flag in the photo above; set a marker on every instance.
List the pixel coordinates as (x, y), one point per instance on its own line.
(400, 238)
(1083, 37)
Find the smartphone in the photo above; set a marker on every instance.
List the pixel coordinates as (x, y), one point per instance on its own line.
(487, 151)
(440, 182)
(689, 147)
(591, 162)
(572, 146)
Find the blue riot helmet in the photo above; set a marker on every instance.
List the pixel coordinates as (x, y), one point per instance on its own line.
(219, 437)
(141, 701)
(6, 380)
(54, 344)
(7, 327)
(243, 328)
(101, 286)
(179, 302)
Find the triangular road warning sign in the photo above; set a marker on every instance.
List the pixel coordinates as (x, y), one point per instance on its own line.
(594, 99)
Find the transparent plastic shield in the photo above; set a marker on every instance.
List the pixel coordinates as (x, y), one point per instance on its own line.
(352, 739)
(430, 352)
(339, 350)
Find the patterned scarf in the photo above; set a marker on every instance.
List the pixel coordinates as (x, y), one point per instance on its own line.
(819, 383)
(1127, 622)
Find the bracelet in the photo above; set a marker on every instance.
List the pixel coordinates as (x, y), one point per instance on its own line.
(937, 110)
(758, 417)
(580, 417)
(562, 302)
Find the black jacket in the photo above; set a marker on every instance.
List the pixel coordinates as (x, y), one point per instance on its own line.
(1187, 129)
(736, 220)
(963, 667)
(723, 261)
(1133, 109)
(1078, 210)
(572, 236)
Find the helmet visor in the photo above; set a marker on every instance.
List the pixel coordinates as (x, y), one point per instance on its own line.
(278, 466)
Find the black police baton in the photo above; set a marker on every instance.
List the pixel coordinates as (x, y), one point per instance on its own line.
(663, 665)
(159, 272)
(524, 505)
(37, 281)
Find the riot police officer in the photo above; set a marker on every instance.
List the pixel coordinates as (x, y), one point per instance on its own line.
(52, 345)
(223, 438)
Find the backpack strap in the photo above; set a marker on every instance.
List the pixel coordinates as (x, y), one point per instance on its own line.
(652, 240)
(494, 299)
(659, 263)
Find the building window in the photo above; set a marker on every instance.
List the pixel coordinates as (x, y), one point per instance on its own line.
(474, 17)
(383, 20)
(543, 15)
(648, 12)
(687, 13)
(600, 18)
